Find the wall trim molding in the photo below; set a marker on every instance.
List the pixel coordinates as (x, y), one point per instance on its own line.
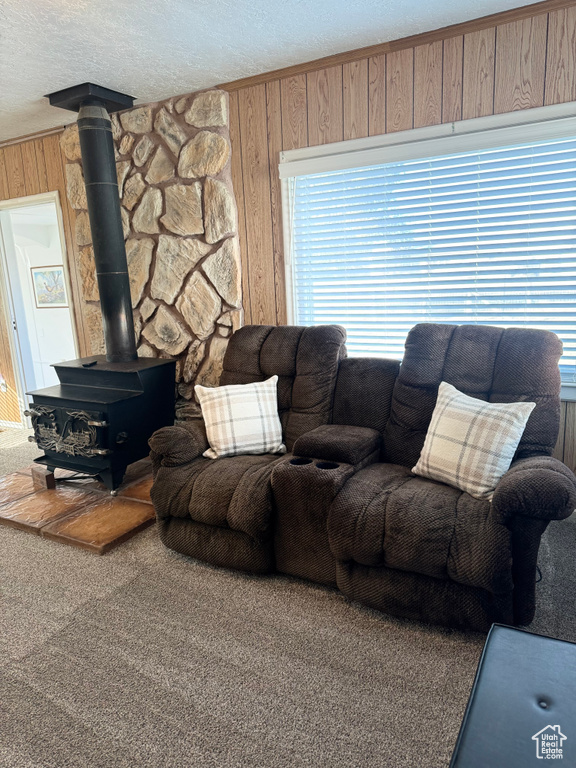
(31, 136)
(504, 129)
(423, 38)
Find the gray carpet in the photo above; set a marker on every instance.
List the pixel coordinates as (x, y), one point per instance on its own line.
(15, 450)
(145, 658)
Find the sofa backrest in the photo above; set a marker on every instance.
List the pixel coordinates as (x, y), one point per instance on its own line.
(493, 364)
(305, 359)
(363, 395)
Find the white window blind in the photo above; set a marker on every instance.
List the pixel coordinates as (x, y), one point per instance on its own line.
(484, 237)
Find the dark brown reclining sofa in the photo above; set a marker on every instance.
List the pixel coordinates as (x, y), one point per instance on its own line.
(343, 508)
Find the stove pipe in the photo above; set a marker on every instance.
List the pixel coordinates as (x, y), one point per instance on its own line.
(97, 147)
(99, 164)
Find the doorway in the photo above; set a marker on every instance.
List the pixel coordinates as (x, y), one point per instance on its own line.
(35, 312)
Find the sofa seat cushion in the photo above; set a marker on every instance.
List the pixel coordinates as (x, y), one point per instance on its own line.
(386, 516)
(232, 493)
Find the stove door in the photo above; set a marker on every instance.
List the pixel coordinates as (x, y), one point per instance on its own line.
(70, 431)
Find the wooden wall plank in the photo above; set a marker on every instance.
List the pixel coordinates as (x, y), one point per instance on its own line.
(355, 99)
(325, 118)
(14, 171)
(238, 185)
(274, 121)
(54, 167)
(559, 449)
(55, 180)
(428, 84)
(400, 90)
(294, 112)
(452, 79)
(520, 63)
(561, 57)
(478, 73)
(570, 437)
(255, 162)
(41, 166)
(377, 95)
(30, 168)
(4, 193)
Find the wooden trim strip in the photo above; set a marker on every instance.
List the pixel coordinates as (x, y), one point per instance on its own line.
(274, 126)
(31, 136)
(424, 38)
(238, 186)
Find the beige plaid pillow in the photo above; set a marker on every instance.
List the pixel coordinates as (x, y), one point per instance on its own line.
(241, 418)
(470, 444)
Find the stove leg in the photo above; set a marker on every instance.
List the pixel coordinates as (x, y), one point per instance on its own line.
(111, 479)
(43, 478)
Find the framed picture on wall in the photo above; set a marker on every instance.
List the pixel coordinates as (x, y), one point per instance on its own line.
(49, 286)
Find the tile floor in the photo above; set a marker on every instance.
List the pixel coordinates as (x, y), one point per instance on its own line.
(79, 512)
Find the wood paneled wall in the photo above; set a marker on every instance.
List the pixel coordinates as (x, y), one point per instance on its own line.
(30, 168)
(475, 69)
(566, 445)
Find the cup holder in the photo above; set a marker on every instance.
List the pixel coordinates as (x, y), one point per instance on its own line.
(300, 462)
(327, 465)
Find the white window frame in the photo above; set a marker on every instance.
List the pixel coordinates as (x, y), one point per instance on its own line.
(557, 121)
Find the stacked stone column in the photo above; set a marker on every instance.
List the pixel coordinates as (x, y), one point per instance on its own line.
(179, 218)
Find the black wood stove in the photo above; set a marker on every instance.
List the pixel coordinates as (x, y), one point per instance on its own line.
(99, 418)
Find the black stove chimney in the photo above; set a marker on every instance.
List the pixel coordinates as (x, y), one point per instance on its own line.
(99, 418)
(93, 104)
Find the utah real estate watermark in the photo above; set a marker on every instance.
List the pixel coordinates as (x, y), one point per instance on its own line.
(549, 743)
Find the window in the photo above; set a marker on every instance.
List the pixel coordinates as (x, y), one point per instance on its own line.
(464, 235)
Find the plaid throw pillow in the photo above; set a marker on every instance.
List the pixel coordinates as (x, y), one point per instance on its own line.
(241, 418)
(470, 444)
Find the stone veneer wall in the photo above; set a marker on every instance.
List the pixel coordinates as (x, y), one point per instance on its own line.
(179, 218)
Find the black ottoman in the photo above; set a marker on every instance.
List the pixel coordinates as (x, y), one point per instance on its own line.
(522, 708)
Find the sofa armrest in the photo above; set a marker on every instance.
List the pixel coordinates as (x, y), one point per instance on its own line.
(180, 444)
(539, 487)
(334, 442)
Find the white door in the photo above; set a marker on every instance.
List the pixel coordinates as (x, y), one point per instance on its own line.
(37, 288)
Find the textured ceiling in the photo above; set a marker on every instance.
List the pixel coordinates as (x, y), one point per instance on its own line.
(153, 49)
